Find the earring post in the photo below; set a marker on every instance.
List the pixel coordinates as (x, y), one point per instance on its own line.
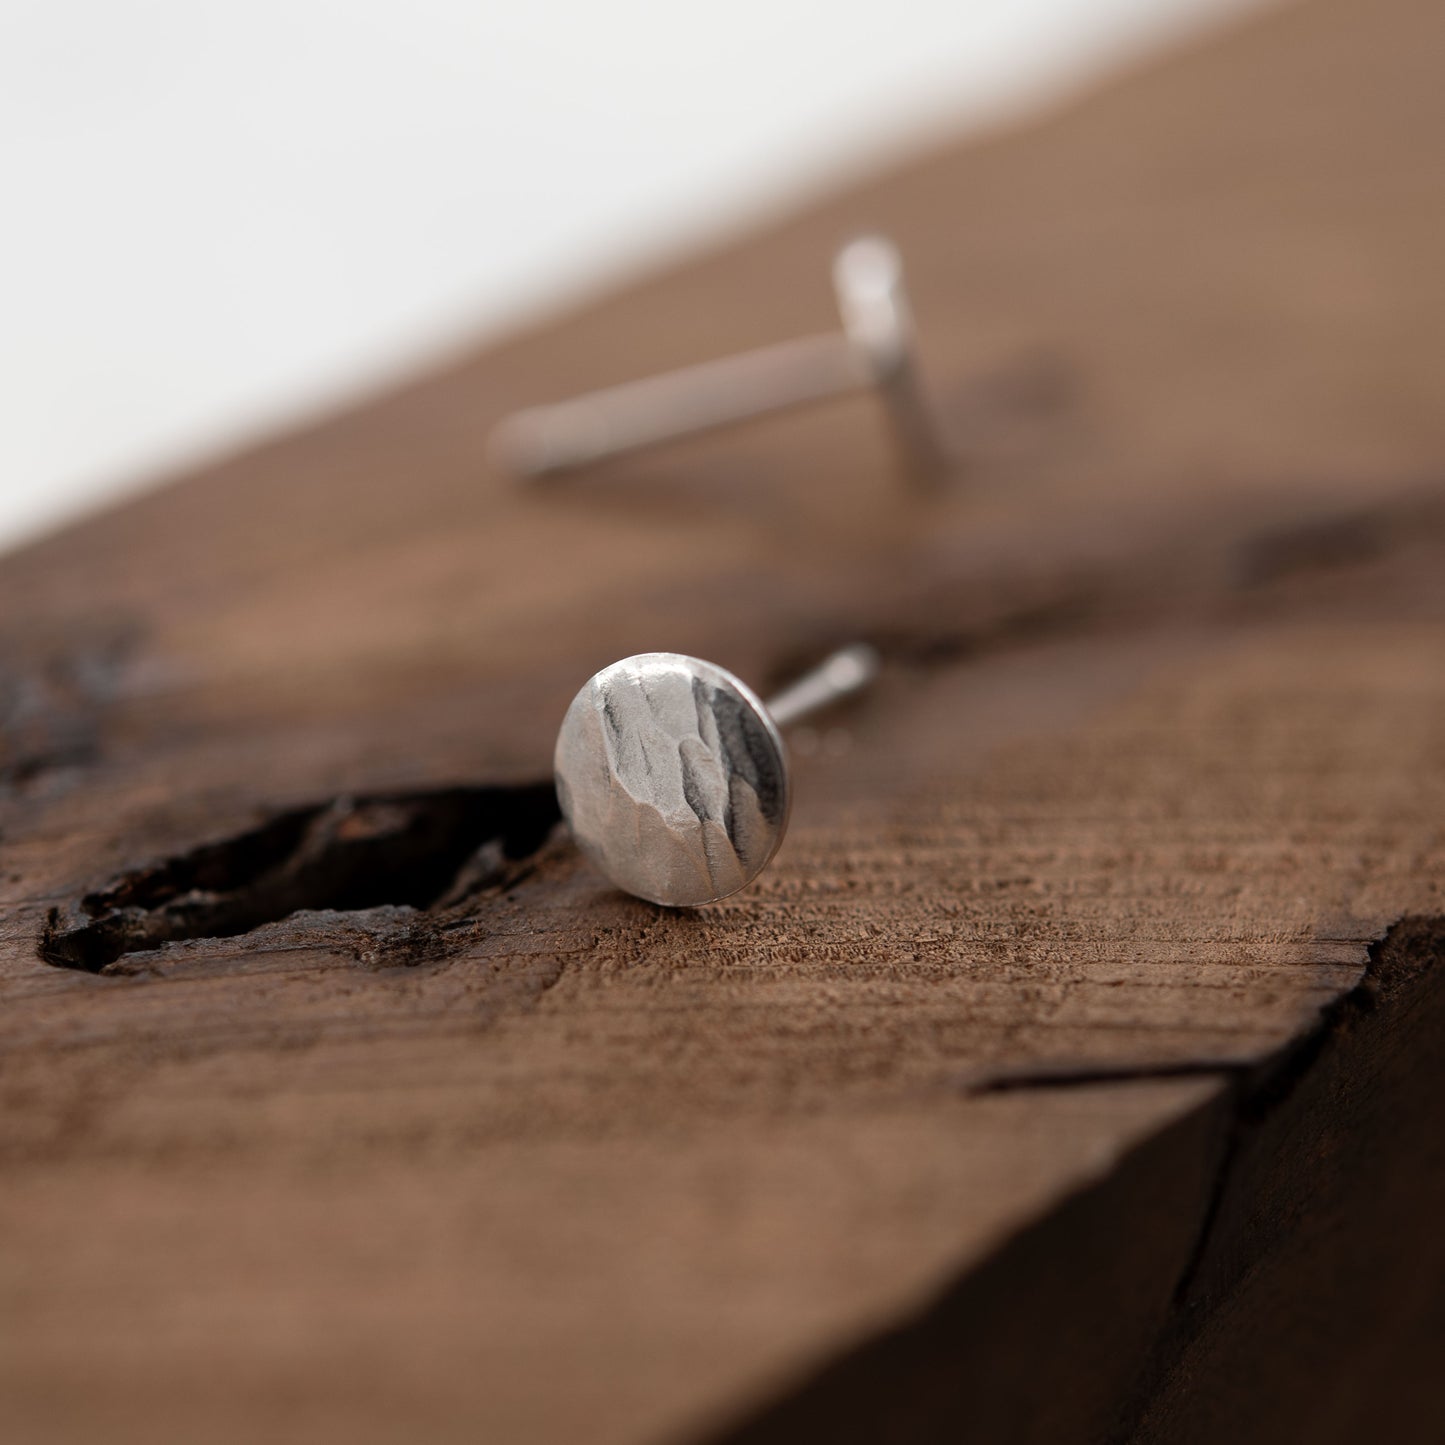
(873, 351)
(848, 670)
(542, 441)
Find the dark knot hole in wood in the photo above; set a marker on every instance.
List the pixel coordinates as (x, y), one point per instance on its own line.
(420, 851)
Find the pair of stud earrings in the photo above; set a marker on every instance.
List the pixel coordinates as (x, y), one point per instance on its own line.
(671, 773)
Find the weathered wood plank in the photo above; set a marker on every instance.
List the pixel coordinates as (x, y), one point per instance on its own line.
(981, 1106)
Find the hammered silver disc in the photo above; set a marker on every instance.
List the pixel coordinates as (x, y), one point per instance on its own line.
(672, 778)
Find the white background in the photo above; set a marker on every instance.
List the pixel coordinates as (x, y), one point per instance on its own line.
(217, 216)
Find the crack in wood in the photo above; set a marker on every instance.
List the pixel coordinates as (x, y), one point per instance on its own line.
(1332, 543)
(423, 853)
(1393, 979)
(1064, 1076)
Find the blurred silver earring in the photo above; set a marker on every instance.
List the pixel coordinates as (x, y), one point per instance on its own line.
(874, 350)
(672, 774)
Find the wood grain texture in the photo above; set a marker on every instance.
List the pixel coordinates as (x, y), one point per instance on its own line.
(1034, 1089)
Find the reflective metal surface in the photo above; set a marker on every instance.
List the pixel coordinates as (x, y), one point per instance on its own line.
(878, 322)
(875, 349)
(673, 778)
(541, 441)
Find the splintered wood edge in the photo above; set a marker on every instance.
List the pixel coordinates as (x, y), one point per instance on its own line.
(1304, 1186)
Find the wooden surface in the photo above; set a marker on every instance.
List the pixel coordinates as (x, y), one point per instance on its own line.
(1069, 1076)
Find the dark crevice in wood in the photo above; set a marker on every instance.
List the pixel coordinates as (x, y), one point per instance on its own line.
(1093, 603)
(1395, 959)
(419, 851)
(1332, 543)
(1084, 1075)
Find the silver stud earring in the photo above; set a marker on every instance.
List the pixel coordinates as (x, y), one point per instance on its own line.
(874, 350)
(673, 777)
